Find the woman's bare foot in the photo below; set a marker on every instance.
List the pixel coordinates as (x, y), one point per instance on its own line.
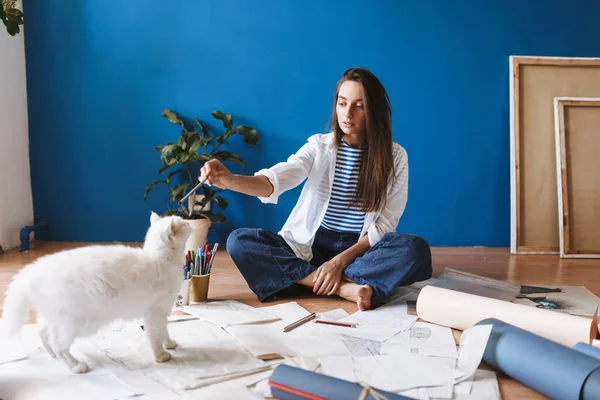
(361, 294)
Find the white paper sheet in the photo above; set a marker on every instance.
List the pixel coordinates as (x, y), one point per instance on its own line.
(357, 347)
(267, 340)
(309, 364)
(473, 342)
(11, 349)
(216, 380)
(43, 377)
(225, 313)
(423, 338)
(361, 347)
(389, 372)
(134, 379)
(418, 393)
(484, 387)
(227, 390)
(204, 350)
(440, 392)
(379, 324)
(333, 315)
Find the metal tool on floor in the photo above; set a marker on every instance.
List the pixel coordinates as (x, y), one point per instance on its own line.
(541, 302)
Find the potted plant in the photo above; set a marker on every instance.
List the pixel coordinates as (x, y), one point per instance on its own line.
(183, 160)
(11, 16)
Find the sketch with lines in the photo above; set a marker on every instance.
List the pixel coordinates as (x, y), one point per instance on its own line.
(203, 350)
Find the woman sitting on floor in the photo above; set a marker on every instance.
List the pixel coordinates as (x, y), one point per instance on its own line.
(341, 236)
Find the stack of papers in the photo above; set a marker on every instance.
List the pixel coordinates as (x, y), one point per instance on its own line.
(227, 349)
(268, 341)
(377, 325)
(228, 312)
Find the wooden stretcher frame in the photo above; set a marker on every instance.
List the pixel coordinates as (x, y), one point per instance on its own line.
(567, 250)
(515, 65)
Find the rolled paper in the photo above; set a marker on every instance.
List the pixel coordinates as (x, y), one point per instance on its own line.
(587, 349)
(554, 370)
(291, 383)
(462, 310)
(591, 388)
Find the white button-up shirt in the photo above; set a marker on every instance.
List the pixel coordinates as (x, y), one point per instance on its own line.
(315, 162)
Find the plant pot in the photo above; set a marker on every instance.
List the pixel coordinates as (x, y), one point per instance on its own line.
(199, 234)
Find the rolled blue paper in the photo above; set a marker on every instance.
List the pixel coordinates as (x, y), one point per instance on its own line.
(318, 385)
(554, 370)
(587, 349)
(591, 388)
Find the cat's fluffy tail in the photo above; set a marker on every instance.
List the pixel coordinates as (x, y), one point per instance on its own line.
(16, 305)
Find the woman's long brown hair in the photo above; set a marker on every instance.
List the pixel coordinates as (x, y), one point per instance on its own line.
(377, 168)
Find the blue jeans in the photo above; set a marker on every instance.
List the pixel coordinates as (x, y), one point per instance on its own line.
(271, 268)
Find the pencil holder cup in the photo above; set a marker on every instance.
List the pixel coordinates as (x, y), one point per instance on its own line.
(183, 298)
(199, 288)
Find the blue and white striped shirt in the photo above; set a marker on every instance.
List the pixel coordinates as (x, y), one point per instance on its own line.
(340, 215)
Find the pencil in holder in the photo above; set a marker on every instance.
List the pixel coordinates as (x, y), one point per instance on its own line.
(199, 288)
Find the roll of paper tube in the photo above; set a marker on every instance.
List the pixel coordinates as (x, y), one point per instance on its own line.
(591, 389)
(554, 370)
(291, 383)
(587, 349)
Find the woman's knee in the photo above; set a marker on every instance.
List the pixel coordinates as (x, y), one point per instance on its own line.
(422, 256)
(415, 250)
(237, 241)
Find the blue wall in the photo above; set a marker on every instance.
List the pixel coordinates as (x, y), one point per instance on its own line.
(100, 73)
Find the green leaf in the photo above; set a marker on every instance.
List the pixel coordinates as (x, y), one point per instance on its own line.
(11, 17)
(173, 173)
(197, 143)
(151, 186)
(170, 162)
(202, 202)
(181, 142)
(200, 158)
(171, 212)
(202, 127)
(217, 218)
(175, 119)
(229, 156)
(208, 192)
(172, 117)
(165, 152)
(178, 192)
(249, 134)
(12, 28)
(221, 202)
(185, 158)
(226, 118)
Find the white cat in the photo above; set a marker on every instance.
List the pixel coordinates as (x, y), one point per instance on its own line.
(78, 291)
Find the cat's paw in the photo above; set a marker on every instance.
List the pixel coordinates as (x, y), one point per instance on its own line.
(165, 356)
(80, 368)
(170, 344)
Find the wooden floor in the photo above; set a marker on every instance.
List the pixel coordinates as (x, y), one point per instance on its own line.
(227, 283)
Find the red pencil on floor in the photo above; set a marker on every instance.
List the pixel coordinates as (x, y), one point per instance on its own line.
(346, 324)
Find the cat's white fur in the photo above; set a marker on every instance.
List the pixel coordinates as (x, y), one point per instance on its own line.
(76, 292)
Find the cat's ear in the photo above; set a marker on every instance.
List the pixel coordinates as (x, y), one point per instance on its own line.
(176, 225)
(153, 218)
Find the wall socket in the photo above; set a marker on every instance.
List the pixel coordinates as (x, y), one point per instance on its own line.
(199, 197)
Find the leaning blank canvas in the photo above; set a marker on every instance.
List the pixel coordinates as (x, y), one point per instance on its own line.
(534, 83)
(577, 132)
